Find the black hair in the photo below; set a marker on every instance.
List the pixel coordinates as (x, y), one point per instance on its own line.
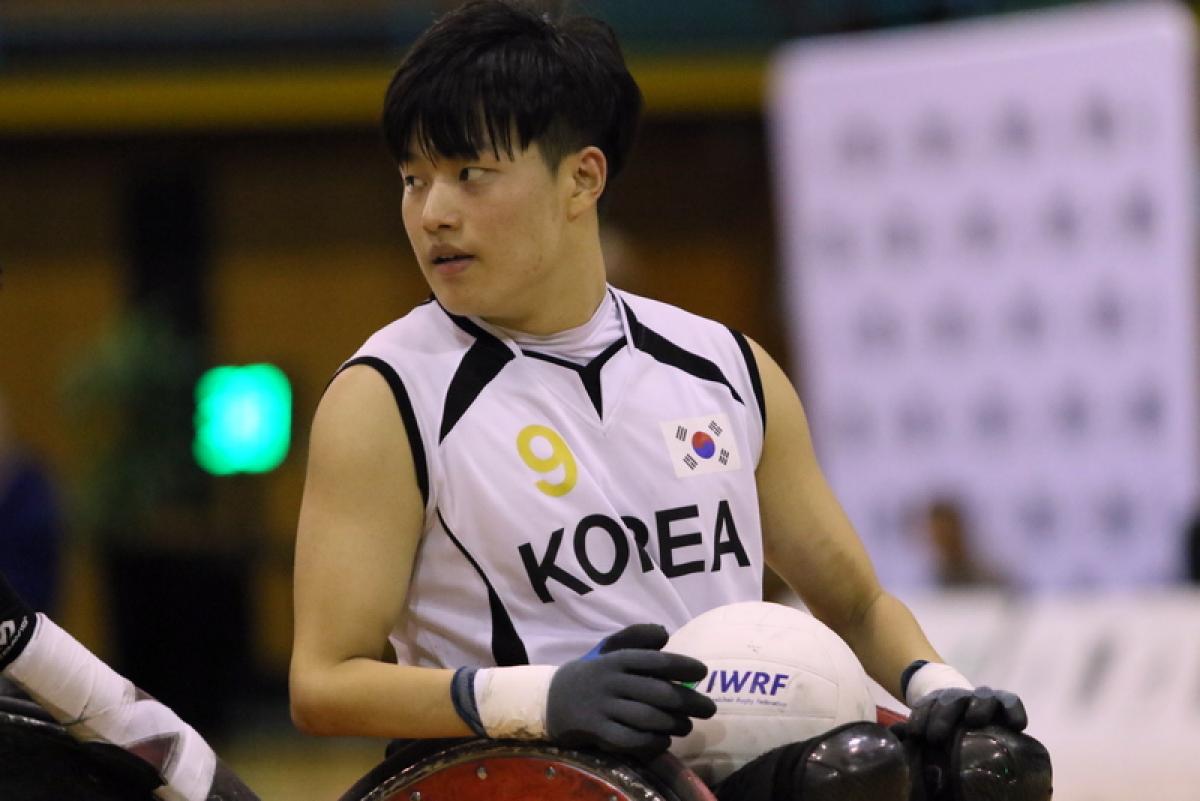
(493, 70)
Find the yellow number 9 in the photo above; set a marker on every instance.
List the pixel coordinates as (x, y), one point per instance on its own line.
(560, 456)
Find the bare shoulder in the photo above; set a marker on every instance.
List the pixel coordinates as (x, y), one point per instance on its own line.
(361, 511)
(357, 386)
(357, 413)
(359, 444)
(763, 358)
(784, 410)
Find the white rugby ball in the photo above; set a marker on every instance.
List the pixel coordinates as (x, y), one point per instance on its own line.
(777, 674)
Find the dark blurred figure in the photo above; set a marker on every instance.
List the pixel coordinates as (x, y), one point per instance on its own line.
(955, 565)
(1191, 555)
(30, 522)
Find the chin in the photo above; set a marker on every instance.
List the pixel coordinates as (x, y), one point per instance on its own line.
(457, 302)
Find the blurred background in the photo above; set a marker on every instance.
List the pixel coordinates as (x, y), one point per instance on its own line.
(199, 222)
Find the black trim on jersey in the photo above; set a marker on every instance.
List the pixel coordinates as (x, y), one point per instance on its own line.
(667, 352)
(406, 414)
(468, 325)
(507, 648)
(755, 377)
(483, 362)
(589, 373)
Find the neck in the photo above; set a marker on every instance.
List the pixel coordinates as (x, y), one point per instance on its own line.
(566, 298)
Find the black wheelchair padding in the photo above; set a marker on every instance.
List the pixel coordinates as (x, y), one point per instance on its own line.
(40, 761)
(990, 763)
(497, 770)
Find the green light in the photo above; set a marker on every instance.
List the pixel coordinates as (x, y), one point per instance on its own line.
(243, 419)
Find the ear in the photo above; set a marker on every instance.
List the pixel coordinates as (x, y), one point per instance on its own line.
(587, 174)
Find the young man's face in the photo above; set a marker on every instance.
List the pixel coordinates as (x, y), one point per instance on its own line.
(488, 231)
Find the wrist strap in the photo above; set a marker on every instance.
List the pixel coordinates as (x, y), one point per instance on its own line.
(907, 675)
(512, 700)
(462, 693)
(932, 676)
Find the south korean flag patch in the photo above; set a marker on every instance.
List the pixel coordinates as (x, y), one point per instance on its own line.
(701, 445)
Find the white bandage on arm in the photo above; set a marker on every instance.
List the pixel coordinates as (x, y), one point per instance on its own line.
(934, 676)
(512, 700)
(95, 703)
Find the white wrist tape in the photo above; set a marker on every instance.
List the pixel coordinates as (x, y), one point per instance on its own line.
(934, 676)
(512, 700)
(94, 702)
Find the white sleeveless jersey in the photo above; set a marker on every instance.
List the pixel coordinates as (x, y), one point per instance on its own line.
(564, 502)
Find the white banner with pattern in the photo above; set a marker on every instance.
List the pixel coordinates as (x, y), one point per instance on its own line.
(989, 261)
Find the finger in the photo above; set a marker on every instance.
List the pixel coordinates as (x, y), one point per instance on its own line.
(640, 635)
(699, 705)
(621, 739)
(660, 664)
(647, 718)
(665, 695)
(982, 708)
(918, 721)
(947, 711)
(1013, 711)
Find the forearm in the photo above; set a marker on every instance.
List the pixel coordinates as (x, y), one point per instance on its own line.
(96, 704)
(367, 698)
(887, 639)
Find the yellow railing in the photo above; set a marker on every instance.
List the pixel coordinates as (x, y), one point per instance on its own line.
(299, 97)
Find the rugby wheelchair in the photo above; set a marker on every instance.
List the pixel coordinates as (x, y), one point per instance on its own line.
(39, 761)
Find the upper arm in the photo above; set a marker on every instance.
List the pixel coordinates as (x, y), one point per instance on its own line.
(361, 520)
(807, 538)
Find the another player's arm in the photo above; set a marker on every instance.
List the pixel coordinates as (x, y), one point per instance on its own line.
(95, 704)
(812, 545)
(361, 520)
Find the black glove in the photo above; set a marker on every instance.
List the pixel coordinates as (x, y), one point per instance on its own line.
(937, 714)
(624, 695)
(17, 621)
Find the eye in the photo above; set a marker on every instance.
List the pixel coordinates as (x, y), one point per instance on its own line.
(470, 173)
(412, 182)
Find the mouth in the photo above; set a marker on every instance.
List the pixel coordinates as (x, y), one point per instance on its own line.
(449, 263)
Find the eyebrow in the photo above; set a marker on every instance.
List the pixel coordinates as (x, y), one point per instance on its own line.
(407, 160)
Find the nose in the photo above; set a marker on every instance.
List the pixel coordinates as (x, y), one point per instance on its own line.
(440, 211)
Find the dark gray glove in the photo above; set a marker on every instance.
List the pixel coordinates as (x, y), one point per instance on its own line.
(17, 622)
(935, 716)
(625, 695)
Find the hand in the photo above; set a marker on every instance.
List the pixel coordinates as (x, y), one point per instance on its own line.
(938, 713)
(624, 695)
